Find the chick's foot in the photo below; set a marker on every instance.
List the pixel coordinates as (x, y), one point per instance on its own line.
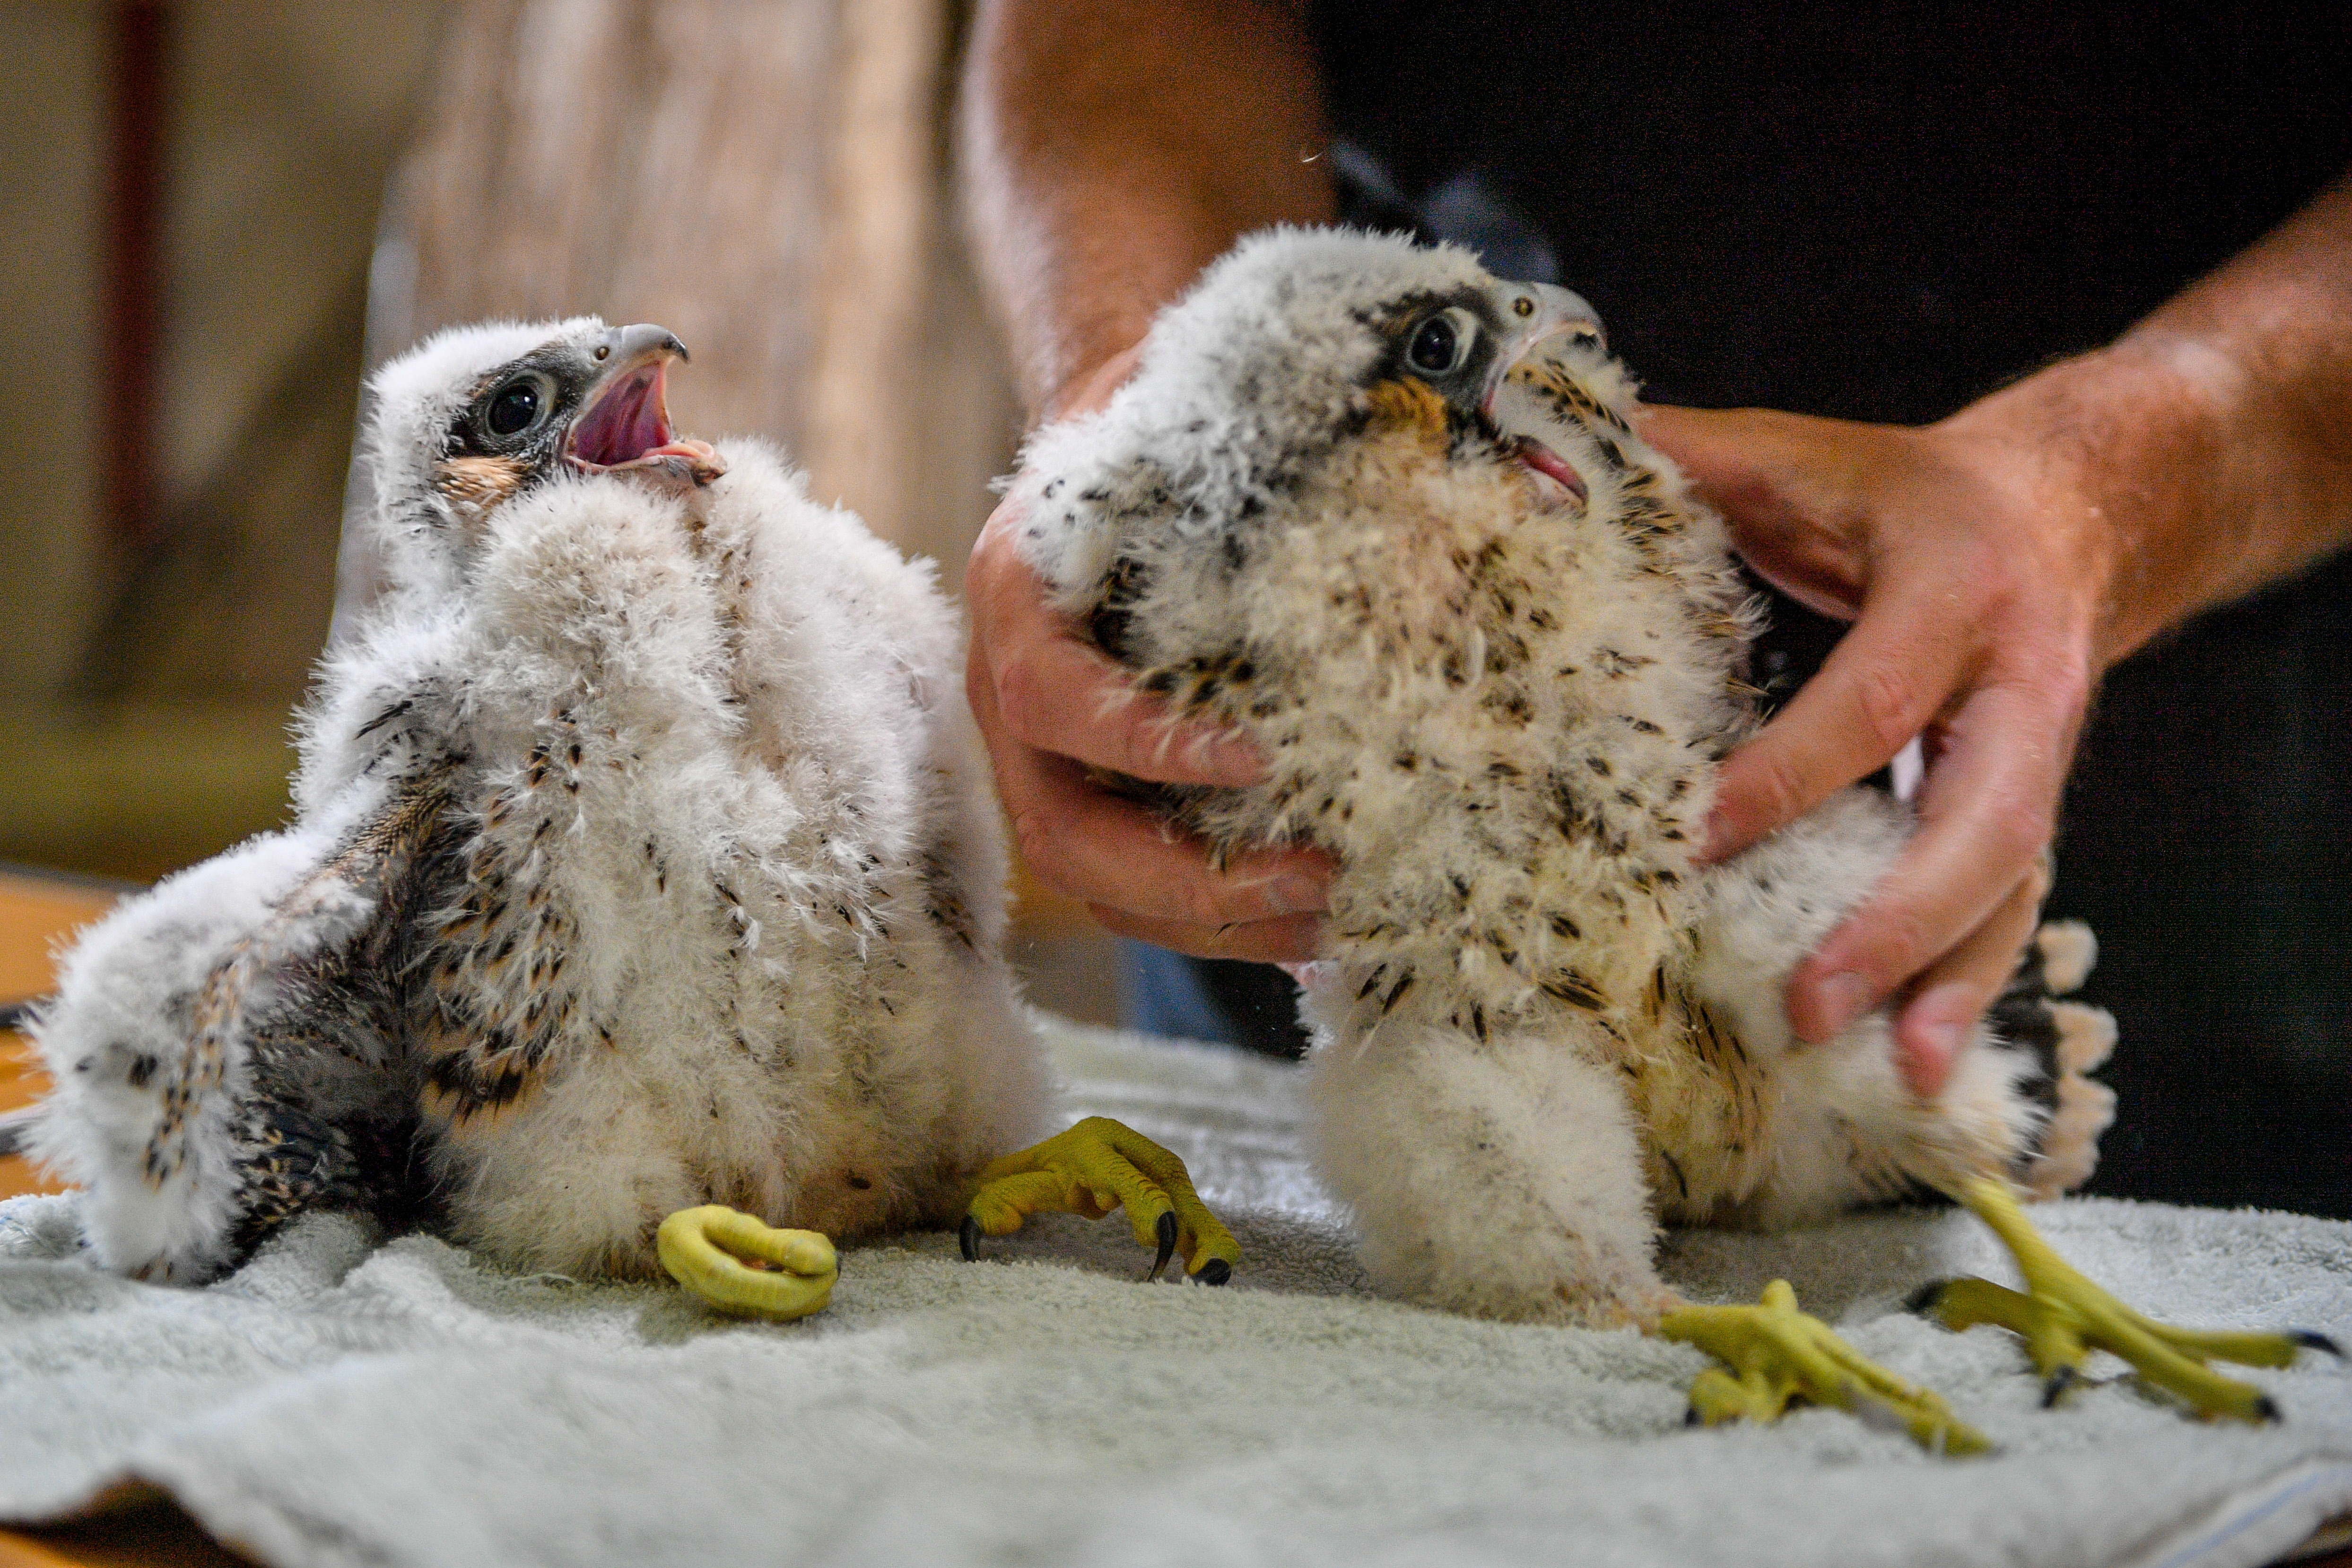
(742, 1266)
(1777, 1356)
(1097, 1166)
(2063, 1317)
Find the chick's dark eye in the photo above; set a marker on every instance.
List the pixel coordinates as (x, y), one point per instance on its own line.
(514, 407)
(1432, 353)
(1439, 345)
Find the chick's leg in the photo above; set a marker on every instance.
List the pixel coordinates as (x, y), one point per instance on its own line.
(2064, 1317)
(1503, 1176)
(1095, 1167)
(1777, 1356)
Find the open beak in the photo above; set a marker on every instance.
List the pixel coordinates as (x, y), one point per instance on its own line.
(625, 422)
(1551, 323)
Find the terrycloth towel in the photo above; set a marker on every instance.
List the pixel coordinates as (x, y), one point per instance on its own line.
(339, 1400)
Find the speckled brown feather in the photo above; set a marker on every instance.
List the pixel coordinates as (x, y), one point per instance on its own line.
(377, 856)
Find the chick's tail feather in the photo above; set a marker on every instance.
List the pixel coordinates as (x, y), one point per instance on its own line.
(16, 1126)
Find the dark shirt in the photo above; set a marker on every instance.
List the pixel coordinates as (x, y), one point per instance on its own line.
(1873, 212)
(1882, 212)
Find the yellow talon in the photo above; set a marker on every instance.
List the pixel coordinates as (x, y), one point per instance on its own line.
(1095, 1167)
(1777, 1354)
(705, 1249)
(2064, 1317)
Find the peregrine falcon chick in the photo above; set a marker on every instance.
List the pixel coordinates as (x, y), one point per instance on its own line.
(643, 858)
(1388, 517)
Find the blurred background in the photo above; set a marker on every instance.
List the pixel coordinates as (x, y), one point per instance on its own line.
(223, 212)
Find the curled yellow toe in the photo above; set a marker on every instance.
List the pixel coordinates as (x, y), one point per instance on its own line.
(1777, 1356)
(741, 1266)
(1097, 1166)
(2063, 1316)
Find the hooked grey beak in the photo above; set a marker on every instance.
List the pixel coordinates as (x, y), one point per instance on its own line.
(624, 423)
(1538, 316)
(1549, 321)
(624, 346)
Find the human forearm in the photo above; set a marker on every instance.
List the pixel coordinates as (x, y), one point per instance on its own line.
(1114, 149)
(2208, 450)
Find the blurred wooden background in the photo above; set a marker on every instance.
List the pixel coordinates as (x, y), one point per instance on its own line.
(771, 179)
(770, 182)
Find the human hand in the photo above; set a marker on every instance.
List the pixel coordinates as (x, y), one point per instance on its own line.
(1049, 704)
(1976, 568)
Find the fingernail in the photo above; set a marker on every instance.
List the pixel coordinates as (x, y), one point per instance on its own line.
(1929, 1062)
(1223, 752)
(1715, 830)
(1843, 998)
(1235, 752)
(1933, 1029)
(1299, 895)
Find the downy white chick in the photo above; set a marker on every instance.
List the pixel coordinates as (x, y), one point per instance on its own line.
(1388, 517)
(643, 858)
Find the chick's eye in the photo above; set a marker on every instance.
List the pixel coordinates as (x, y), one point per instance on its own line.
(517, 406)
(1438, 346)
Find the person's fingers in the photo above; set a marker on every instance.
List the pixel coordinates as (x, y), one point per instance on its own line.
(1987, 810)
(1100, 849)
(1048, 705)
(1090, 389)
(1956, 988)
(1053, 691)
(1791, 488)
(1886, 679)
(1096, 846)
(1972, 620)
(1288, 940)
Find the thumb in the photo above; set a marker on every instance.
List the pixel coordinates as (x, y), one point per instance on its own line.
(1716, 448)
(1792, 488)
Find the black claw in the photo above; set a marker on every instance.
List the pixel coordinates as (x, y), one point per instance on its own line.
(1922, 1302)
(2055, 1387)
(2315, 1342)
(1166, 1230)
(969, 1239)
(1691, 1418)
(2266, 1409)
(1215, 1271)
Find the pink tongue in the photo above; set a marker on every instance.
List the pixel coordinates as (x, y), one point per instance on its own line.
(1544, 460)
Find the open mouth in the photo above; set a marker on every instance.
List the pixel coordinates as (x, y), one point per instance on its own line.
(1549, 465)
(627, 425)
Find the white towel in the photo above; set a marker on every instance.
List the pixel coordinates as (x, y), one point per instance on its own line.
(339, 1400)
